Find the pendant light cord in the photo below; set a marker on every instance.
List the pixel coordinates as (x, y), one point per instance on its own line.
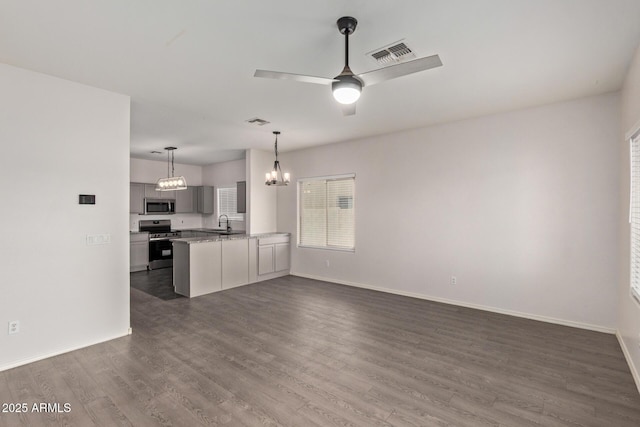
(172, 167)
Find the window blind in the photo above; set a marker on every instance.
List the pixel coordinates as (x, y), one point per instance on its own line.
(327, 213)
(227, 203)
(634, 217)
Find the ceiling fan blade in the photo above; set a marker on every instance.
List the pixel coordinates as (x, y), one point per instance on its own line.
(348, 109)
(296, 77)
(421, 64)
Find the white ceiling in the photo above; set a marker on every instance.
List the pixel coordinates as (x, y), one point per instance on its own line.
(188, 65)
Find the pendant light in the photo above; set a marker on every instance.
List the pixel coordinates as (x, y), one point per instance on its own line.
(276, 177)
(171, 183)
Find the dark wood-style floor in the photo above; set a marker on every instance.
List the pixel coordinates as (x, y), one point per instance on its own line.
(299, 352)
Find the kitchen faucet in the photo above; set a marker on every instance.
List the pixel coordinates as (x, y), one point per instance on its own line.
(227, 219)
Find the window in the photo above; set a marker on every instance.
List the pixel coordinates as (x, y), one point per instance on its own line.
(227, 203)
(326, 212)
(634, 216)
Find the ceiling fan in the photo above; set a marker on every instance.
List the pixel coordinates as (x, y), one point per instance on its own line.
(347, 86)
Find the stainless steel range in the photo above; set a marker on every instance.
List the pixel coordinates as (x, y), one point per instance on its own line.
(160, 246)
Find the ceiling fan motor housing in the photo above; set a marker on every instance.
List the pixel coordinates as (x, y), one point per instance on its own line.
(347, 23)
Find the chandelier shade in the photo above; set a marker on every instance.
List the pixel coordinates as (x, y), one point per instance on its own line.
(276, 176)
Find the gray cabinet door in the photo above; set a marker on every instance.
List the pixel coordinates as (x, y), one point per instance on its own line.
(186, 200)
(265, 259)
(205, 199)
(241, 196)
(151, 193)
(136, 198)
(282, 256)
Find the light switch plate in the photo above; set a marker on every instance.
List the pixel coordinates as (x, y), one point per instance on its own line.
(98, 239)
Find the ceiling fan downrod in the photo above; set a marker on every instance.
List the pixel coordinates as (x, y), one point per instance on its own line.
(347, 88)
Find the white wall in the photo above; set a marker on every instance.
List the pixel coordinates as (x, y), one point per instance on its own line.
(60, 139)
(224, 174)
(261, 199)
(148, 172)
(522, 207)
(628, 310)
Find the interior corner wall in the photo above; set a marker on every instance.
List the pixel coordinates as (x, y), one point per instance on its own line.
(61, 139)
(261, 199)
(628, 309)
(522, 207)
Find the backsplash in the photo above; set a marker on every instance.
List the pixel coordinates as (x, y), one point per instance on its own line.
(178, 221)
(183, 221)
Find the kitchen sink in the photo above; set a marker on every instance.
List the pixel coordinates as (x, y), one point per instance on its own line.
(227, 233)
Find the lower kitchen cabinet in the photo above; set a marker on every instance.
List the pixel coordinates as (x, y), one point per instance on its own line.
(235, 263)
(138, 251)
(205, 266)
(266, 257)
(282, 256)
(273, 254)
(196, 268)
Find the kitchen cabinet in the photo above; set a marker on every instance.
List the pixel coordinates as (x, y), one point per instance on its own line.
(197, 268)
(136, 198)
(138, 251)
(241, 196)
(186, 200)
(205, 199)
(235, 263)
(273, 254)
(281, 251)
(205, 267)
(151, 193)
(266, 257)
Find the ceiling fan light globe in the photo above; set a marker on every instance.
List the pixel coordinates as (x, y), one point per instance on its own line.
(346, 95)
(347, 89)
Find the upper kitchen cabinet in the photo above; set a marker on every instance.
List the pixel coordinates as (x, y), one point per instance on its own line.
(186, 200)
(136, 198)
(241, 196)
(205, 199)
(151, 193)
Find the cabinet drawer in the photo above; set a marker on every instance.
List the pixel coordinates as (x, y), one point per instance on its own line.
(272, 240)
(138, 237)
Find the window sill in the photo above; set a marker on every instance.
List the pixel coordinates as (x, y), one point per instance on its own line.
(328, 248)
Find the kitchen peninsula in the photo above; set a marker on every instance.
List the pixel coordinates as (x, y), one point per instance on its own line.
(213, 262)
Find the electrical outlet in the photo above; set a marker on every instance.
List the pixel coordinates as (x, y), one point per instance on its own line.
(454, 280)
(14, 327)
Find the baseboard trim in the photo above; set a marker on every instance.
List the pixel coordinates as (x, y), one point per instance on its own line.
(59, 352)
(530, 316)
(627, 356)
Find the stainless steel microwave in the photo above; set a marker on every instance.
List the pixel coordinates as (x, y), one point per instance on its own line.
(159, 206)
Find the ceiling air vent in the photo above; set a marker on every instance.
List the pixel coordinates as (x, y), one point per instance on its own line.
(393, 53)
(257, 121)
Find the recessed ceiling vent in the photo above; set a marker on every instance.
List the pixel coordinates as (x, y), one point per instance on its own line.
(393, 53)
(257, 121)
